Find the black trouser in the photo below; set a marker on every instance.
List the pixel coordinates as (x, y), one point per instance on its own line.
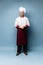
(19, 48)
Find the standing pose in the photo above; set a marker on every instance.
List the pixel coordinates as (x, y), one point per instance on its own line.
(21, 23)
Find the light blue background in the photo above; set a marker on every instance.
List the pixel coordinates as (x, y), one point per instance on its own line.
(9, 12)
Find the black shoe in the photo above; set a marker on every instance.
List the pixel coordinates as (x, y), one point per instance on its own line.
(25, 53)
(17, 53)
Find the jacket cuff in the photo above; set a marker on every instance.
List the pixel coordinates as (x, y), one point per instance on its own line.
(17, 26)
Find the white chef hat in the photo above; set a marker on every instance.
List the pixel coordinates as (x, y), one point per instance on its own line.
(22, 9)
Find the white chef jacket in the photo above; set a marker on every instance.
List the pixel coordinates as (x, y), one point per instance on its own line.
(22, 21)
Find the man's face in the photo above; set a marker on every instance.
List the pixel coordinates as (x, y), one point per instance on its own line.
(21, 13)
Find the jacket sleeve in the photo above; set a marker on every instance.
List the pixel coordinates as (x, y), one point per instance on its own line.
(27, 22)
(16, 23)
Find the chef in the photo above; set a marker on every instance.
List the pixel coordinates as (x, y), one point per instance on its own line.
(21, 23)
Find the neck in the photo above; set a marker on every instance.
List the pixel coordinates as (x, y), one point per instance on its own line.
(21, 16)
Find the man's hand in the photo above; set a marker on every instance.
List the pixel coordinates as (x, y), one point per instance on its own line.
(22, 27)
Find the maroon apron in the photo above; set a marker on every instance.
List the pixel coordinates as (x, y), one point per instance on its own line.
(21, 36)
